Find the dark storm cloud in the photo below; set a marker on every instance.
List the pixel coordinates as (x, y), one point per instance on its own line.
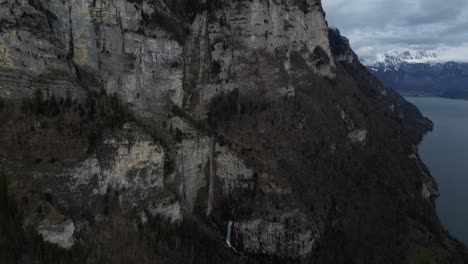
(376, 26)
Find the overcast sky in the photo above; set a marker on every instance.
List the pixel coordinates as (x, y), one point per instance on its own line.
(378, 26)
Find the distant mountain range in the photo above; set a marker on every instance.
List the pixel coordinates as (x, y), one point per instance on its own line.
(420, 73)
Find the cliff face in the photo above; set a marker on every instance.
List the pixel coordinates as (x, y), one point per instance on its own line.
(151, 129)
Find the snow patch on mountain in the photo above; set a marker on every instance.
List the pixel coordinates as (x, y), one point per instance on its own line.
(394, 59)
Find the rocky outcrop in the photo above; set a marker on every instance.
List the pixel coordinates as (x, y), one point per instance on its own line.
(274, 239)
(192, 159)
(129, 48)
(31, 55)
(233, 173)
(128, 160)
(246, 37)
(357, 136)
(429, 189)
(58, 233)
(131, 163)
(106, 42)
(127, 164)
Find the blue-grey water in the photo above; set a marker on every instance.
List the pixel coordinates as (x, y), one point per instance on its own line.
(445, 152)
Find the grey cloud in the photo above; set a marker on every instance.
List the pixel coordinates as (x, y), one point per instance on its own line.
(435, 11)
(378, 25)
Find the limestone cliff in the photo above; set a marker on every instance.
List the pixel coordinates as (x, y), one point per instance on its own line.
(138, 130)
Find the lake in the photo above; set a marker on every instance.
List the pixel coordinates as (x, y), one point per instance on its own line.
(445, 152)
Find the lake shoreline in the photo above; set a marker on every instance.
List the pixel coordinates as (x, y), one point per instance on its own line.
(445, 153)
(432, 96)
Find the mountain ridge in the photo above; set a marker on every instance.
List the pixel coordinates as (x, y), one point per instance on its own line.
(420, 73)
(396, 57)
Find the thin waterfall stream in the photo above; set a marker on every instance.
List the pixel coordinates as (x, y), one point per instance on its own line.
(228, 234)
(209, 208)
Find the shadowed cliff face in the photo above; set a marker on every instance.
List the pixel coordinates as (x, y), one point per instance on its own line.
(127, 121)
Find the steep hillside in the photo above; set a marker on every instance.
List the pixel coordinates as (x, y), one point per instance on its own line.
(204, 132)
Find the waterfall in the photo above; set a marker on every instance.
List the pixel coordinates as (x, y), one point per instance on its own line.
(209, 209)
(228, 234)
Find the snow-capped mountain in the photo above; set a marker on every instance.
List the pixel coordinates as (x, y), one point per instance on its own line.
(420, 73)
(394, 59)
